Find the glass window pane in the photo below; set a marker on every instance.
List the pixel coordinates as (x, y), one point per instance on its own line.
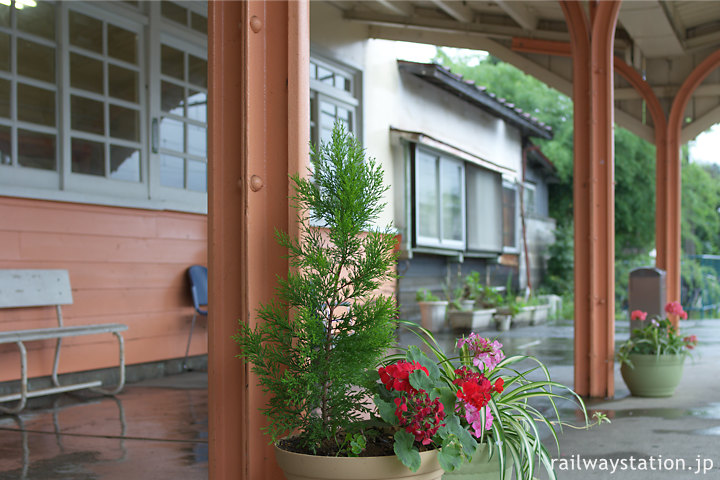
(197, 70)
(123, 83)
(451, 188)
(196, 140)
(4, 52)
(88, 157)
(4, 98)
(35, 60)
(174, 12)
(124, 123)
(198, 23)
(172, 171)
(427, 195)
(124, 163)
(197, 176)
(86, 73)
(87, 115)
(35, 105)
(172, 134)
(172, 62)
(38, 20)
(36, 150)
(5, 146)
(5, 15)
(197, 106)
(122, 44)
(171, 98)
(86, 32)
(325, 75)
(509, 211)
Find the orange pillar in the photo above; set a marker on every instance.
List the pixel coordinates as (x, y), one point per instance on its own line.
(672, 179)
(258, 133)
(594, 201)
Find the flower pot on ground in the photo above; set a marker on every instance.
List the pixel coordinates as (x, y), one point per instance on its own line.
(473, 320)
(303, 467)
(523, 317)
(541, 314)
(433, 311)
(652, 375)
(503, 321)
(652, 358)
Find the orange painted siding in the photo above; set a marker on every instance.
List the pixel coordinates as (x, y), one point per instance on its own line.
(126, 266)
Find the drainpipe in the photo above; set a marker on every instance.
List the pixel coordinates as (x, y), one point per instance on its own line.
(525, 151)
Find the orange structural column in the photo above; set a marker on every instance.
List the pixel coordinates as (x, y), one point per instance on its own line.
(594, 201)
(258, 131)
(672, 179)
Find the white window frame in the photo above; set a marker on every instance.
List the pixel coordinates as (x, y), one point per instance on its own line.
(512, 249)
(320, 91)
(440, 241)
(64, 185)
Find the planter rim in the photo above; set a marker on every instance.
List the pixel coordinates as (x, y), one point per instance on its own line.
(434, 302)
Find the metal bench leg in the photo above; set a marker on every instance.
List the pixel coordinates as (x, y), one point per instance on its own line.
(121, 383)
(187, 349)
(23, 382)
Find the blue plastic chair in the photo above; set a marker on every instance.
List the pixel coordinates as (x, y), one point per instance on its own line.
(197, 274)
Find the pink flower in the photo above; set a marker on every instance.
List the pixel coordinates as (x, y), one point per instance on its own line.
(486, 354)
(638, 315)
(690, 341)
(674, 308)
(655, 323)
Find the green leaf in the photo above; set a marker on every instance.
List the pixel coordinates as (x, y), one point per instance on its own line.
(386, 410)
(447, 398)
(420, 381)
(406, 451)
(450, 455)
(467, 441)
(416, 355)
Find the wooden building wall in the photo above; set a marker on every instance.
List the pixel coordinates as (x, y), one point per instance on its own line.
(126, 266)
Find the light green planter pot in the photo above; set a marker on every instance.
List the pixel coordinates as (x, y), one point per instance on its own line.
(481, 467)
(653, 376)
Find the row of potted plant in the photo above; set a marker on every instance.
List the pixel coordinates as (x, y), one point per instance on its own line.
(342, 395)
(474, 306)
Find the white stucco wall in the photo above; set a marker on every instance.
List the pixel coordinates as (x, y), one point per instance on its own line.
(403, 101)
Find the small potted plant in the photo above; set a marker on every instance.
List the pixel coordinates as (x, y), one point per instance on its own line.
(652, 358)
(432, 310)
(475, 318)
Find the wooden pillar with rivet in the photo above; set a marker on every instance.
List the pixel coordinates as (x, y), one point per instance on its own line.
(591, 41)
(258, 134)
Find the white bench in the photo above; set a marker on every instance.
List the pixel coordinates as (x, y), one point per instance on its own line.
(43, 288)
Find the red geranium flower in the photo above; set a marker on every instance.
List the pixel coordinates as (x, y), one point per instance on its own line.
(396, 376)
(638, 315)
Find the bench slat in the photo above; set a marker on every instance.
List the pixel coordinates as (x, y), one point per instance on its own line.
(34, 288)
(59, 332)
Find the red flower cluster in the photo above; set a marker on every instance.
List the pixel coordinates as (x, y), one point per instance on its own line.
(638, 315)
(475, 389)
(690, 341)
(674, 308)
(396, 376)
(422, 418)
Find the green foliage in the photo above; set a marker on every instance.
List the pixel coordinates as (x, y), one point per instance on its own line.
(657, 337)
(314, 344)
(701, 283)
(700, 202)
(425, 295)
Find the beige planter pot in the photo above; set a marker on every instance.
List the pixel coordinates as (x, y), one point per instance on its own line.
(432, 315)
(311, 467)
(541, 314)
(473, 320)
(523, 317)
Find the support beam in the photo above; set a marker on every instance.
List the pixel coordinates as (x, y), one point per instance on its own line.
(669, 257)
(518, 12)
(396, 8)
(456, 10)
(258, 132)
(700, 124)
(594, 201)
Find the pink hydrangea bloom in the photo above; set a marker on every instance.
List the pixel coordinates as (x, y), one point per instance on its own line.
(486, 354)
(638, 315)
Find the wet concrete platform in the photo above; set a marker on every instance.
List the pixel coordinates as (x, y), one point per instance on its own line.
(155, 429)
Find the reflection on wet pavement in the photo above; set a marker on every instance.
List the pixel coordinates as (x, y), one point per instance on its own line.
(143, 433)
